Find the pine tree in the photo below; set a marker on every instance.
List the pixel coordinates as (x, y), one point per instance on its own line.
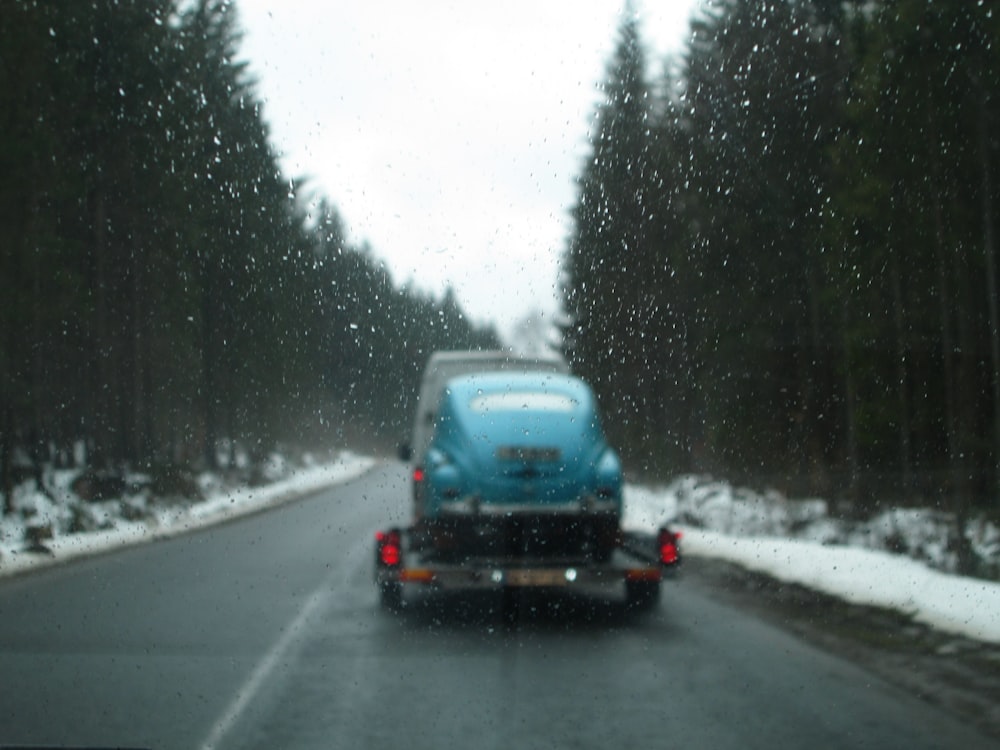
(914, 213)
(759, 109)
(610, 245)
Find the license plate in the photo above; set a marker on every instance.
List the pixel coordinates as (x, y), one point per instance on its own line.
(528, 455)
(535, 578)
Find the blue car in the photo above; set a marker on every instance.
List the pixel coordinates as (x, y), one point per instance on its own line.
(517, 464)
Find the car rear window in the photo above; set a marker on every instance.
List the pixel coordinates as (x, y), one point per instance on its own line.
(526, 400)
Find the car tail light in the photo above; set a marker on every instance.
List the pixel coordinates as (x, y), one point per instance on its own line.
(667, 544)
(390, 550)
(418, 474)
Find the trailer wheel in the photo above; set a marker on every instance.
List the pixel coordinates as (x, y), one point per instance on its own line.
(390, 596)
(641, 596)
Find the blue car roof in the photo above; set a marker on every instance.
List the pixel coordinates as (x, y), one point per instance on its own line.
(519, 409)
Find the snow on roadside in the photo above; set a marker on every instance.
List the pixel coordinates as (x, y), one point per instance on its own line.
(221, 504)
(966, 606)
(751, 531)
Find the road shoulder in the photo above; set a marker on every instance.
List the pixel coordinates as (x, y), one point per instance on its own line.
(959, 675)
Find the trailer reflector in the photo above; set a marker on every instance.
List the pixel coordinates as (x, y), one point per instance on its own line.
(416, 575)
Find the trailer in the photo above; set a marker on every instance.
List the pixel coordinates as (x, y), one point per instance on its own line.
(638, 565)
(515, 488)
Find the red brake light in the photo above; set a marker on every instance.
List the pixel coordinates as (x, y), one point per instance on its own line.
(418, 474)
(668, 553)
(667, 543)
(389, 554)
(390, 551)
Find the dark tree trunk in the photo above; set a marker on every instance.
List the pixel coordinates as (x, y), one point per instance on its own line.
(850, 409)
(989, 252)
(902, 373)
(209, 364)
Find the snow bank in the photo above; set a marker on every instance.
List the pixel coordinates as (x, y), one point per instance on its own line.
(965, 606)
(748, 530)
(158, 522)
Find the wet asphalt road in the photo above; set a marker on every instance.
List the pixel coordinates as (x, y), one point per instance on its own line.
(265, 633)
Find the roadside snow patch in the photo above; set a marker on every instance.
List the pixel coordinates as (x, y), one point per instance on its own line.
(849, 561)
(107, 525)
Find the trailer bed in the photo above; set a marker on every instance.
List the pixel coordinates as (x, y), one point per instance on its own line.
(638, 565)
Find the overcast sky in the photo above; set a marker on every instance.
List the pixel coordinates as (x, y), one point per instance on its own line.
(448, 134)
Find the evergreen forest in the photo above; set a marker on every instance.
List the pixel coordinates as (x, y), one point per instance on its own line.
(164, 289)
(783, 268)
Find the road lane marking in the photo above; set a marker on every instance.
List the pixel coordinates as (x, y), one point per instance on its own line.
(249, 689)
(259, 676)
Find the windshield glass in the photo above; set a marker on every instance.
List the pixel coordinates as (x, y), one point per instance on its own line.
(248, 246)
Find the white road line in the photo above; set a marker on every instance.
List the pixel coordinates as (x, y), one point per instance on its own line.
(259, 676)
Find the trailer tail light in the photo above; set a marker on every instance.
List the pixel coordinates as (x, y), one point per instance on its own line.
(667, 544)
(390, 551)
